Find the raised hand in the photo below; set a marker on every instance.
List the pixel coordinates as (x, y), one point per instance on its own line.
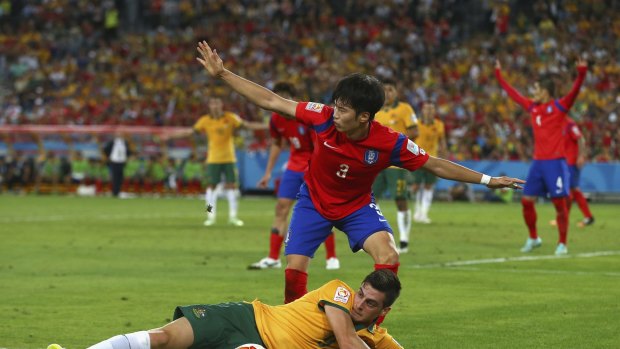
(581, 62)
(210, 59)
(498, 65)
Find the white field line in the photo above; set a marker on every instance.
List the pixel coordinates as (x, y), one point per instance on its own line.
(107, 217)
(513, 259)
(538, 271)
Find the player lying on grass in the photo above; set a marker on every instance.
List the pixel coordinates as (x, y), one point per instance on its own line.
(350, 149)
(332, 316)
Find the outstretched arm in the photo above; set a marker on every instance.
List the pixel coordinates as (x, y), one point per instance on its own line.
(582, 68)
(449, 170)
(512, 92)
(342, 326)
(255, 93)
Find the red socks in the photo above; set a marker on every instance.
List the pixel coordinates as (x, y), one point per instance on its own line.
(275, 244)
(296, 282)
(330, 246)
(582, 203)
(561, 217)
(529, 214)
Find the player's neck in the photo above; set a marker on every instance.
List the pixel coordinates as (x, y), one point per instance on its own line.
(359, 133)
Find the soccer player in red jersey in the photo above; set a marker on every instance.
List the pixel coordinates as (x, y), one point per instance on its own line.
(300, 138)
(575, 158)
(350, 149)
(549, 173)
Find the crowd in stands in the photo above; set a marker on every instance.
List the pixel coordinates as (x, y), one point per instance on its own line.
(104, 62)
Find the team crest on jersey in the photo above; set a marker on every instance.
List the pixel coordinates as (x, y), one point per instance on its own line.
(199, 312)
(301, 129)
(315, 107)
(342, 295)
(371, 156)
(413, 148)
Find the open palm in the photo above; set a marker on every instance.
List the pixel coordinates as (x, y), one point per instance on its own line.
(210, 59)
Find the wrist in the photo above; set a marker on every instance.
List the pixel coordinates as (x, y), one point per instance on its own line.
(486, 179)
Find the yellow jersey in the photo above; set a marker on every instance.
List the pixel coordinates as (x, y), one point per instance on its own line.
(303, 324)
(220, 136)
(399, 117)
(430, 135)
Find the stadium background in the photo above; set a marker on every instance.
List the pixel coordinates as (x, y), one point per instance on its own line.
(75, 270)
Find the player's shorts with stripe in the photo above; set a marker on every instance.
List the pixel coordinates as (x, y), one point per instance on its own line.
(290, 183)
(392, 180)
(575, 176)
(221, 326)
(547, 177)
(215, 172)
(308, 228)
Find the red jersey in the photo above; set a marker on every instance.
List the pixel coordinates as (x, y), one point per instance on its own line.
(571, 147)
(341, 171)
(548, 119)
(298, 135)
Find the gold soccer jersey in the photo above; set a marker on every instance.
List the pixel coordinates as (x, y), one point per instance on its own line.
(220, 133)
(398, 117)
(303, 324)
(429, 136)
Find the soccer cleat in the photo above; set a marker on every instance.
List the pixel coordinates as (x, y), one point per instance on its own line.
(236, 222)
(209, 222)
(404, 247)
(266, 263)
(423, 220)
(54, 346)
(561, 250)
(531, 244)
(332, 263)
(585, 222)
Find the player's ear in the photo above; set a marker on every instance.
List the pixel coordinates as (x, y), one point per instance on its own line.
(363, 116)
(385, 311)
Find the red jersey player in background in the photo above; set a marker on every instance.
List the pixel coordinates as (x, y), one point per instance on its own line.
(576, 151)
(300, 138)
(549, 173)
(350, 149)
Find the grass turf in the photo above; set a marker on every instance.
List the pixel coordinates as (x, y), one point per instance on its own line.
(75, 271)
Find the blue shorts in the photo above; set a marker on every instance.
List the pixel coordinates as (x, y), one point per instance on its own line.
(289, 184)
(575, 175)
(547, 177)
(308, 229)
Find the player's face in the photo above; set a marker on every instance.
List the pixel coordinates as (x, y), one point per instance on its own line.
(367, 305)
(346, 120)
(390, 94)
(215, 107)
(428, 112)
(538, 94)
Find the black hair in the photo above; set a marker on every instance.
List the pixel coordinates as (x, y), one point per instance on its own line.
(547, 82)
(284, 87)
(388, 81)
(386, 281)
(363, 93)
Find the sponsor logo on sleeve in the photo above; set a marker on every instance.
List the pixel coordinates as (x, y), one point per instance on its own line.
(413, 148)
(342, 295)
(315, 107)
(199, 312)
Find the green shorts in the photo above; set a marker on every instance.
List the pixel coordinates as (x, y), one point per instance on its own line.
(221, 326)
(216, 171)
(392, 180)
(422, 176)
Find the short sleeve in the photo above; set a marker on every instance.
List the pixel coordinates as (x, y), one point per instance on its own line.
(336, 294)
(408, 155)
(236, 119)
(313, 114)
(200, 125)
(273, 127)
(574, 132)
(411, 119)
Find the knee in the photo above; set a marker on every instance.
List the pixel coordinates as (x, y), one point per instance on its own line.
(388, 256)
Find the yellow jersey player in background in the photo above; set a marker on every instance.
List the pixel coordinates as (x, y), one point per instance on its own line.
(432, 138)
(219, 127)
(332, 316)
(400, 117)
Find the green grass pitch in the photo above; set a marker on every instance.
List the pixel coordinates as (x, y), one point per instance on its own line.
(76, 271)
